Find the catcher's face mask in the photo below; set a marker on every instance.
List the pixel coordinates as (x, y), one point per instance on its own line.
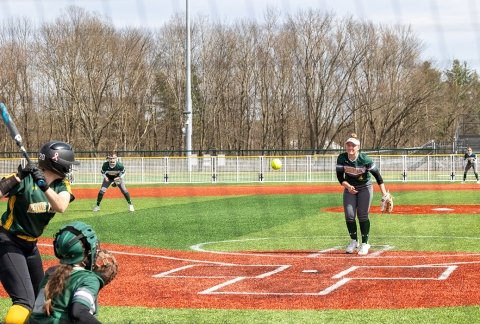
(112, 160)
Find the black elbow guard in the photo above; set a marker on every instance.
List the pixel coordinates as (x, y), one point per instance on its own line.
(7, 184)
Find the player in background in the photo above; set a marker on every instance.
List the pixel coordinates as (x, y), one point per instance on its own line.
(469, 161)
(353, 173)
(113, 172)
(34, 194)
(68, 293)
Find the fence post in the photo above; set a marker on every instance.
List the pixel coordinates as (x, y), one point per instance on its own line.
(260, 175)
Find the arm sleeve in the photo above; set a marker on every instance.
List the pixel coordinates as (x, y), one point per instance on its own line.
(340, 176)
(377, 175)
(81, 314)
(122, 172)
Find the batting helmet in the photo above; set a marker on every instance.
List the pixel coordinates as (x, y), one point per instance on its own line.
(57, 157)
(75, 243)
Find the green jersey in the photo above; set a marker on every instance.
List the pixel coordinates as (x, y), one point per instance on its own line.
(118, 170)
(356, 172)
(81, 287)
(28, 210)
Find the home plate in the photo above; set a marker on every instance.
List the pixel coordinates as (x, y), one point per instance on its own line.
(309, 271)
(443, 209)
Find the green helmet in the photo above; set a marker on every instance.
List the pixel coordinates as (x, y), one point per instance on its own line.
(76, 242)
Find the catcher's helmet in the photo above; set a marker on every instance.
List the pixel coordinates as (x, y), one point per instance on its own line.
(75, 243)
(57, 157)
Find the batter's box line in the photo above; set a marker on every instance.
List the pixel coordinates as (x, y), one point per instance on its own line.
(173, 273)
(341, 275)
(443, 276)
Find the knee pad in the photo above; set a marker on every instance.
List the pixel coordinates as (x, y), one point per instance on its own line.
(103, 190)
(17, 314)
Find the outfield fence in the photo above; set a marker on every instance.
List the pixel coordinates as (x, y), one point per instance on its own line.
(235, 169)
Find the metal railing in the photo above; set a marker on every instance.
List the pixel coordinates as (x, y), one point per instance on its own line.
(249, 169)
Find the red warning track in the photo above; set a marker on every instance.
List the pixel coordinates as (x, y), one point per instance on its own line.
(289, 280)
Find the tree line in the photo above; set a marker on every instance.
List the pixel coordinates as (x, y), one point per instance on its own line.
(302, 82)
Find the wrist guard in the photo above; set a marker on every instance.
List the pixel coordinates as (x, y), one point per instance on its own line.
(7, 184)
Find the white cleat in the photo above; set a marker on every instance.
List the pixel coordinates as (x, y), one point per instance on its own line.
(130, 208)
(352, 246)
(96, 208)
(364, 249)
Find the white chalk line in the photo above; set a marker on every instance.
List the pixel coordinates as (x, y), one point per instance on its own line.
(343, 280)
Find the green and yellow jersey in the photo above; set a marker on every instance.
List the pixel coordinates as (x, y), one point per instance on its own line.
(356, 172)
(28, 210)
(111, 173)
(81, 287)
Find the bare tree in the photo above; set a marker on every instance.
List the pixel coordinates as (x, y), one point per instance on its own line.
(16, 78)
(390, 89)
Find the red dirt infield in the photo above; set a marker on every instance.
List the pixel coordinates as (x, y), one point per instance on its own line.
(288, 279)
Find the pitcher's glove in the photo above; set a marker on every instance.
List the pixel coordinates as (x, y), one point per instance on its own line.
(386, 204)
(106, 266)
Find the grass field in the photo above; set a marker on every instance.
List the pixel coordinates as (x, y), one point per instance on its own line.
(276, 222)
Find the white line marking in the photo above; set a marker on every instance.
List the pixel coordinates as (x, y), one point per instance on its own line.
(314, 255)
(165, 274)
(379, 252)
(333, 287)
(226, 283)
(447, 272)
(344, 272)
(278, 270)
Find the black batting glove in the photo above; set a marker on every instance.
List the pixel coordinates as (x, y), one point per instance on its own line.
(24, 172)
(39, 178)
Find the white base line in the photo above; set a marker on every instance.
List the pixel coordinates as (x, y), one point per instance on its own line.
(333, 287)
(345, 272)
(447, 272)
(165, 274)
(314, 255)
(226, 283)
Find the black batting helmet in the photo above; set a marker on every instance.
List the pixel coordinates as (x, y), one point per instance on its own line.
(57, 157)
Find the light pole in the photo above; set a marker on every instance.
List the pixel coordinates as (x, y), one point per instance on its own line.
(188, 88)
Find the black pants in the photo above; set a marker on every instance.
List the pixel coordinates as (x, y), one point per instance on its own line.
(21, 269)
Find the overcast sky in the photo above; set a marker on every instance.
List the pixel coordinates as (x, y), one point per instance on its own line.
(449, 29)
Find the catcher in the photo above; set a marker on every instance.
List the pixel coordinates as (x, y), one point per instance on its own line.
(113, 172)
(69, 291)
(353, 173)
(469, 160)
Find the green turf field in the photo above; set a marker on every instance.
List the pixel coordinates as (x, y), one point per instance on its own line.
(276, 222)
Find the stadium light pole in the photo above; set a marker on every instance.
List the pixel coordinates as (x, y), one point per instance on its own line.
(188, 88)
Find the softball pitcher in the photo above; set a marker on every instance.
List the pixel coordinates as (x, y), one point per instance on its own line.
(113, 172)
(35, 194)
(353, 173)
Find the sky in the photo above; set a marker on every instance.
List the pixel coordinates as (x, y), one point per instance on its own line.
(448, 29)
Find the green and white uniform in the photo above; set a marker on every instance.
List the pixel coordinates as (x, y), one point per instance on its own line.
(28, 213)
(81, 287)
(109, 174)
(357, 173)
(470, 162)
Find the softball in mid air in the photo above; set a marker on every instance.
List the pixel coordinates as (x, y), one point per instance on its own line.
(276, 164)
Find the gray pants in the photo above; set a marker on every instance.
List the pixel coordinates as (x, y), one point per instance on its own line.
(358, 204)
(468, 167)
